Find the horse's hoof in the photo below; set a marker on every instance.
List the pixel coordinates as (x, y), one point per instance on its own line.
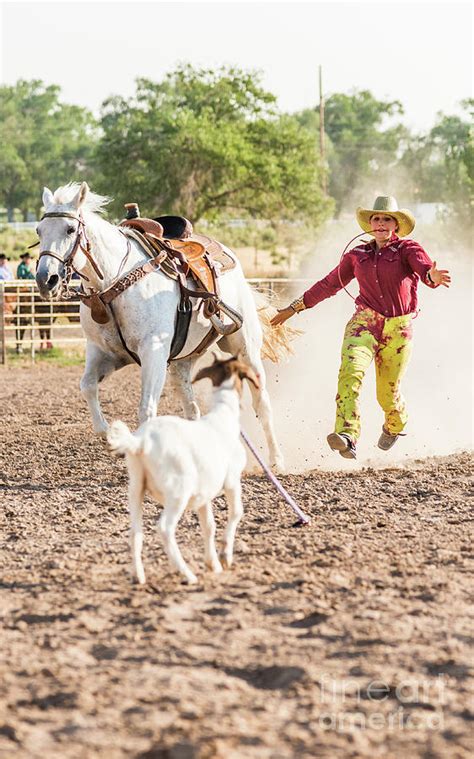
(278, 466)
(190, 579)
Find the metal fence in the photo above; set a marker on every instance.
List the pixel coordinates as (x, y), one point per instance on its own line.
(29, 324)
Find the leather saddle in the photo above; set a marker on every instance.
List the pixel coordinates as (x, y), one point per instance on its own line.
(179, 230)
(176, 250)
(202, 257)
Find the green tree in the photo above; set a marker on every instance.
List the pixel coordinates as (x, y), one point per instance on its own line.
(361, 141)
(453, 140)
(42, 142)
(441, 162)
(202, 143)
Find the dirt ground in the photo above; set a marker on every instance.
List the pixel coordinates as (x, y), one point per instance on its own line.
(346, 638)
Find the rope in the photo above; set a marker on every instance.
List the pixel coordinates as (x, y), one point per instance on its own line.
(303, 519)
(340, 261)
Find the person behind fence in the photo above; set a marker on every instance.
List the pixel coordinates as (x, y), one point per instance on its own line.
(5, 271)
(388, 269)
(24, 267)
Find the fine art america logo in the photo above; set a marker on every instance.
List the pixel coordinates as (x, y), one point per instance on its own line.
(348, 706)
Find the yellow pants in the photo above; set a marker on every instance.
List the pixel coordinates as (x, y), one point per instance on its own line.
(388, 340)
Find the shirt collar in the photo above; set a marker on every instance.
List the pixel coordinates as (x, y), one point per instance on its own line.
(394, 239)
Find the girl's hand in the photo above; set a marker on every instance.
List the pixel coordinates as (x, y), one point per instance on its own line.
(282, 315)
(439, 276)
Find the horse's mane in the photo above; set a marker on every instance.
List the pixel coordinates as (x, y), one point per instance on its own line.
(93, 203)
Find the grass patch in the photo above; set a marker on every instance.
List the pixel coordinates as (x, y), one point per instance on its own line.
(56, 356)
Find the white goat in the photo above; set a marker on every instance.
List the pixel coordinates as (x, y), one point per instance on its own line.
(185, 463)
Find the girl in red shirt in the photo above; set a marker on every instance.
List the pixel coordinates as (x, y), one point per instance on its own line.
(388, 270)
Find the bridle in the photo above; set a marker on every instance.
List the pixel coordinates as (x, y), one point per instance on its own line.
(81, 242)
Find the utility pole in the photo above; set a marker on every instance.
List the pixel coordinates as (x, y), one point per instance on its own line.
(321, 129)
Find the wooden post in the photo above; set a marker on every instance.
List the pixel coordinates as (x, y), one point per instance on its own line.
(2, 316)
(33, 317)
(321, 130)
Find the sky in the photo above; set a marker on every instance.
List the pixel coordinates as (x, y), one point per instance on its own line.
(419, 53)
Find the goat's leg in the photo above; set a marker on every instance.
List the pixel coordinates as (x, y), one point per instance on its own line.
(167, 526)
(208, 528)
(233, 496)
(136, 491)
(98, 366)
(181, 375)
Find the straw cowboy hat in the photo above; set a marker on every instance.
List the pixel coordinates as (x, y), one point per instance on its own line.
(388, 205)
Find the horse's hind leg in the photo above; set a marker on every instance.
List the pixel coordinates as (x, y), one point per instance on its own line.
(98, 366)
(180, 372)
(20, 331)
(260, 398)
(263, 409)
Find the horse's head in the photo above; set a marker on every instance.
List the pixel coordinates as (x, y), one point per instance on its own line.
(62, 238)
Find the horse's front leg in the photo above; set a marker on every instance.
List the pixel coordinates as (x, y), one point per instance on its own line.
(181, 376)
(153, 379)
(98, 366)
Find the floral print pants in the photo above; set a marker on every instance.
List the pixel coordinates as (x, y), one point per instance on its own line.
(388, 340)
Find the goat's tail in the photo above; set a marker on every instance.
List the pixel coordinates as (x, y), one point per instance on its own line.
(276, 340)
(121, 440)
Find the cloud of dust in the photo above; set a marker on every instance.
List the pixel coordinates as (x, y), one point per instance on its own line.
(437, 386)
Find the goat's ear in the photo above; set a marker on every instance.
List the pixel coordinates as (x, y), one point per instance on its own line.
(251, 376)
(215, 357)
(200, 375)
(206, 371)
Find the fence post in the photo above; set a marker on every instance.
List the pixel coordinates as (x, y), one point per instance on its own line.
(33, 314)
(2, 326)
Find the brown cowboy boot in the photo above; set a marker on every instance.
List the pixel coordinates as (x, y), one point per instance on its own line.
(386, 440)
(342, 443)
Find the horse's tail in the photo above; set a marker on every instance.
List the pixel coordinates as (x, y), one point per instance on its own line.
(276, 340)
(121, 440)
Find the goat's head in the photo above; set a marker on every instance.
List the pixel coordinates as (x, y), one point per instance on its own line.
(222, 370)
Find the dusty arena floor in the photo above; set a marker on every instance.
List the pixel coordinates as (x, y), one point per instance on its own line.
(346, 638)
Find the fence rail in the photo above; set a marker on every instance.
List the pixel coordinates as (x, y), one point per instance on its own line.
(29, 324)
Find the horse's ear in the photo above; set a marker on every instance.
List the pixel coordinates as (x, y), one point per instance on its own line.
(79, 199)
(47, 197)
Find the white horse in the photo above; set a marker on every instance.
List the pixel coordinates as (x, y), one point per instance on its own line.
(144, 313)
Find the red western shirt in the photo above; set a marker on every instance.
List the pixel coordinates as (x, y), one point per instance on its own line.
(388, 277)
